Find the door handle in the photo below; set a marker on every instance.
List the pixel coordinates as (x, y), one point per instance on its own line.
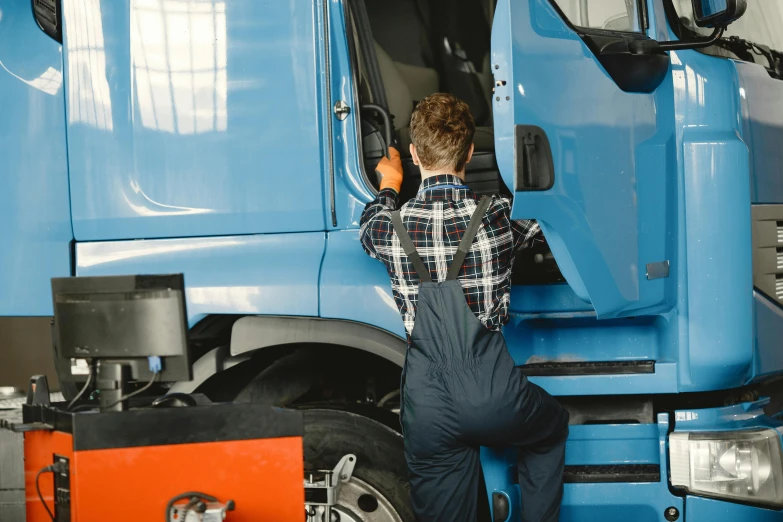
(534, 167)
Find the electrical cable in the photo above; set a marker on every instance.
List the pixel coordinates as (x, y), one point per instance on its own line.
(193, 496)
(81, 392)
(47, 469)
(389, 396)
(133, 394)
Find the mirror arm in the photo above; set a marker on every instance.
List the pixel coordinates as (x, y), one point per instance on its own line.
(693, 44)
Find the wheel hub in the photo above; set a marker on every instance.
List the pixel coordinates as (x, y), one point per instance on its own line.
(360, 502)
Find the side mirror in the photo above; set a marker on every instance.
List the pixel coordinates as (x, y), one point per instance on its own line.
(717, 13)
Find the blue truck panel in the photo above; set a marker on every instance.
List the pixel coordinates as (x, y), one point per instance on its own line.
(351, 191)
(709, 509)
(602, 445)
(183, 121)
(34, 209)
(274, 274)
(605, 217)
(714, 167)
(201, 139)
(355, 287)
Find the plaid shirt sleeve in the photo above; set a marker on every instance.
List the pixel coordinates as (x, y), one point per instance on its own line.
(376, 226)
(526, 232)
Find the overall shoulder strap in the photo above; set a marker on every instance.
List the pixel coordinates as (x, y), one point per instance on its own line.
(409, 248)
(468, 237)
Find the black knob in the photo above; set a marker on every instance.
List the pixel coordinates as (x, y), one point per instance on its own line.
(671, 514)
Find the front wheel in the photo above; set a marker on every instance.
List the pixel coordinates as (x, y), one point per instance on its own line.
(378, 490)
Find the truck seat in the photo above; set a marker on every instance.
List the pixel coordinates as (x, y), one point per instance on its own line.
(405, 85)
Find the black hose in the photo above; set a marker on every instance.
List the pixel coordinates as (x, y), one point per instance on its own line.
(47, 469)
(133, 394)
(194, 497)
(81, 392)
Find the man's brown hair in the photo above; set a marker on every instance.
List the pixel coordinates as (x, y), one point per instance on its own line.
(442, 131)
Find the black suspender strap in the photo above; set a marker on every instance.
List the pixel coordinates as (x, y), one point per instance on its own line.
(409, 248)
(468, 237)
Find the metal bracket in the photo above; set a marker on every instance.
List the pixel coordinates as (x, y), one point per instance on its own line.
(657, 270)
(322, 488)
(341, 110)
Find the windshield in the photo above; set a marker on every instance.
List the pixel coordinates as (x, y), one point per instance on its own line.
(756, 37)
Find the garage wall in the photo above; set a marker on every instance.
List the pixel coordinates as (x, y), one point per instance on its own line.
(25, 350)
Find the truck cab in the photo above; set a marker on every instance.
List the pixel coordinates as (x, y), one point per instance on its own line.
(235, 142)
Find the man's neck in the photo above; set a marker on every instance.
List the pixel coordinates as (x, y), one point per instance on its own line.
(440, 172)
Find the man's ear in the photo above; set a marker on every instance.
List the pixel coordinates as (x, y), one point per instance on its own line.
(470, 153)
(413, 154)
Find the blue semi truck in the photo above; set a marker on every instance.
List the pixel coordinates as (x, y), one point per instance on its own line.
(234, 141)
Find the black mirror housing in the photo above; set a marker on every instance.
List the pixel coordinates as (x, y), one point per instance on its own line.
(717, 13)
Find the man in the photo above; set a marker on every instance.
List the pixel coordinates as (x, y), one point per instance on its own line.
(449, 254)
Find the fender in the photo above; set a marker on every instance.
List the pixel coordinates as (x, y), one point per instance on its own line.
(252, 333)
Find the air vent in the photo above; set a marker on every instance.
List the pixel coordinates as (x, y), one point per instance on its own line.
(768, 250)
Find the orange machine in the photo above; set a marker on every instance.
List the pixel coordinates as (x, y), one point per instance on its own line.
(245, 461)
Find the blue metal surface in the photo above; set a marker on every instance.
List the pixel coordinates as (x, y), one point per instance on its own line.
(607, 214)
(274, 274)
(715, 298)
(767, 336)
(591, 445)
(736, 417)
(193, 118)
(352, 191)
(35, 226)
(356, 287)
(709, 510)
(761, 97)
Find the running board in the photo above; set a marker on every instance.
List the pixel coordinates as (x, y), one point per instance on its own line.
(612, 474)
(560, 369)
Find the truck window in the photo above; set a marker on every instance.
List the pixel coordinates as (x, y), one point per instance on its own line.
(608, 15)
(757, 37)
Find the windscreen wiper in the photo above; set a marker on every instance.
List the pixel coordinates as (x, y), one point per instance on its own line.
(748, 51)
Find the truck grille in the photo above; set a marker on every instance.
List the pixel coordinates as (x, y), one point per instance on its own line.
(768, 250)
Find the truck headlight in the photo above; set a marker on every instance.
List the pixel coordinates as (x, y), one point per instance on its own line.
(736, 465)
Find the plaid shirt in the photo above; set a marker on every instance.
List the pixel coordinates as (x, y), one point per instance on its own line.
(436, 219)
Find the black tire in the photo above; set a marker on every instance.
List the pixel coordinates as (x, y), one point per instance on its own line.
(380, 462)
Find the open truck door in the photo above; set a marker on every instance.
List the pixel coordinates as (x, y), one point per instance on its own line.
(585, 139)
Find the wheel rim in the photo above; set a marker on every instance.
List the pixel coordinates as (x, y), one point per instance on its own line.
(360, 502)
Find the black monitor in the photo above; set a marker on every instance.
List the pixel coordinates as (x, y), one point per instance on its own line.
(131, 328)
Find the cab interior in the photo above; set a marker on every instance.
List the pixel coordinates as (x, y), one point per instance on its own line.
(405, 50)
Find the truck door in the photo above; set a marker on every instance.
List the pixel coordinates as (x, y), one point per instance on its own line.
(585, 151)
(35, 217)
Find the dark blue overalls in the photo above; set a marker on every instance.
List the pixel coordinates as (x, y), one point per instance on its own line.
(461, 390)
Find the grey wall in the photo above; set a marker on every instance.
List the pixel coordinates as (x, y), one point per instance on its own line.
(25, 350)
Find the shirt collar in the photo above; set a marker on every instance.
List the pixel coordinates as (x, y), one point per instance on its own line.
(444, 180)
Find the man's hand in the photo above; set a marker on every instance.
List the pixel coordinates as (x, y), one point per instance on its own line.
(391, 170)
